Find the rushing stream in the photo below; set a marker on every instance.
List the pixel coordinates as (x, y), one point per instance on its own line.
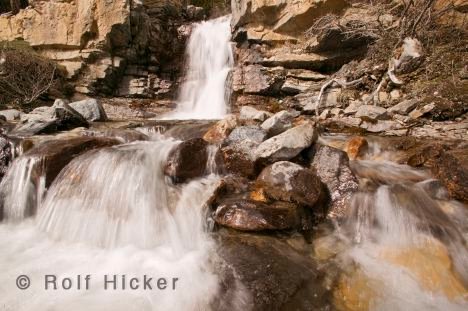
(113, 212)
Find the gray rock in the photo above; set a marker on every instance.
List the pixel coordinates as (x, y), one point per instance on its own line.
(330, 99)
(250, 132)
(90, 109)
(419, 112)
(250, 113)
(294, 86)
(369, 112)
(11, 114)
(380, 126)
(404, 107)
(332, 166)
(260, 80)
(287, 145)
(279, 122)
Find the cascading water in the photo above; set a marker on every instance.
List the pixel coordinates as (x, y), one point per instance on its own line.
(204, 93)
(113, 212)
(402, 247)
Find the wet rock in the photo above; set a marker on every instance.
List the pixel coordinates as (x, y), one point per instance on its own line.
(6, 155)
(251, 132)
(290, 182)
(55, 154)
(434, 188)
(332, 166)
(125, 135)
(288, 144)
(246, 215)
(90, 109)
(11, 114)
(279, 122)
(250, 113)
(404, 107)
(239, 158)
(220, 131)
(369, 112)
(357, 147)
(187, 160)
(451, 167)
(274, 275)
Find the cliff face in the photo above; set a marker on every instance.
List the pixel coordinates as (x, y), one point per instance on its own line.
(121, 47)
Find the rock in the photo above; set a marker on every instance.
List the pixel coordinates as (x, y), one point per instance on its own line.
(332, 166)
(250, 132)
(369, 112)
(330, 99)
(187, 160)
(260, 80)
(46, 120)
(10, 114)
(290, 182)
(219, 132)
(297, 61)
(451, 167)
(357, 147)
(404, 107)
(352, 108)
(250, 113)
(56, 154)
(288, 144)
(410, 57)
(274, 275)
(294, 86)
(248, 215)
(380, 126)
(419, 112)
(6, 155)
(90, 109)
(195, 12)
(306, 75)
(434, 188)
(239, 158)
(279, 122)
(395, 95)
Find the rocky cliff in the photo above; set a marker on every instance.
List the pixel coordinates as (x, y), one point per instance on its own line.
(122, 48)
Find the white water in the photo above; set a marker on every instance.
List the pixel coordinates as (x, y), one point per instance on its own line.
(205, 92)
(394, 216)
(112, 211)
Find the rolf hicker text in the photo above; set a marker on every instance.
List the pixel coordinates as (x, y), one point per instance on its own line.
(109, 282)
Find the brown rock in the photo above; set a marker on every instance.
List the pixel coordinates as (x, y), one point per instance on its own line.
(451, 167)
(187, 160)
(246, 215)
(220, 131)
(239, 158)
(287, 181)
(356, 147)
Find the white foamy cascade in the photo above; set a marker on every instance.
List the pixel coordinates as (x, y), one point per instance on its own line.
(112, 211)
(204, 93)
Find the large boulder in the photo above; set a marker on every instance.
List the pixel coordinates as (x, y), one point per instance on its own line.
(251, 132)
(287, 145)
(90, 109)
(279, 122)
(247, 215)
(451, 167)
(256, 79)
(187, 160)
(55, 154)
(250, 113)
(46, 120)
(217, 133)
(239, 158)
(271, 273)
(332, 166)
(290, 182)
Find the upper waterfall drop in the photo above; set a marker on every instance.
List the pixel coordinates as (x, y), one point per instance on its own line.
(204, 93)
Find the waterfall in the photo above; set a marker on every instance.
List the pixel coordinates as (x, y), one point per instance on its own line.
(110, 212)
(204, 93)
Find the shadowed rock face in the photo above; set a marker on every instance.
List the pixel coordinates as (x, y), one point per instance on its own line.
(56, 154)
(187, 160)
(274, 276)
(5, 155)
